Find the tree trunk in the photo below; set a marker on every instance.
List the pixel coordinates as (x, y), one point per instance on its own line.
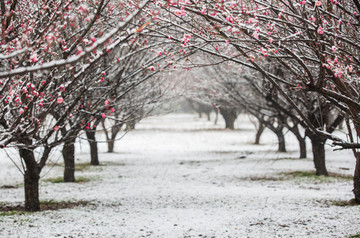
(216, 116)
(31, 187)
(302, 145)
(229, 116)
(114, 131)
(229, 123)
(318, 149)
(68, 153)
(281, 140)
(90, 134)
(259, 132)
(357, 178)
(31, 181)
(301, 139)
(111, 144)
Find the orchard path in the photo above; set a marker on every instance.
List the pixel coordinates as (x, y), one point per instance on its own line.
(180, 176)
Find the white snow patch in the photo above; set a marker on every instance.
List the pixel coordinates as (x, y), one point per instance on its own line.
(181, 176)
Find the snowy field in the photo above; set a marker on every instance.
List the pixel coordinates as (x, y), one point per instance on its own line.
(181, 176)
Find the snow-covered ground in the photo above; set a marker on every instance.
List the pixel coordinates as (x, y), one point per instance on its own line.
(181, 176)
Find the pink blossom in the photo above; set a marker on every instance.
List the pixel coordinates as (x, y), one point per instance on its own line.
(229, 19)
(106, 102)
(318, 3)
(186, 38)
(152, 68)
(320, 30)
(252, 58)
(79, 50)
(103, 115)
(56, 128)
(93, 39)
(60, 100)
(34, 57)
(180, 12)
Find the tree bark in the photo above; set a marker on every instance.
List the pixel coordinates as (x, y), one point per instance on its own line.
(111, 144)
(111, 141)
(301, 139)
(318, 149)
(357, 178)
(229, 115)
(90, 134)
(302, 145)
(31, 180)
(281, 140)
(31, 187)
(259, 132)
(68, 153)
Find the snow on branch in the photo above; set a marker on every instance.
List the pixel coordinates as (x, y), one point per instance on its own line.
(88, 50)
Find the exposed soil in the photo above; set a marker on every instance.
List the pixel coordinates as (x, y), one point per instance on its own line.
(44, 206)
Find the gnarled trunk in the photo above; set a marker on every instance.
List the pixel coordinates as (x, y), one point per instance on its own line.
(259, 132)
(281, 141)
(111, 144)
(68, 153)
(31, 180)
(302, 145)
(229, 115)
(111, 141)
(318, 149)
(31, 187)
(301, 139)
(90, 134)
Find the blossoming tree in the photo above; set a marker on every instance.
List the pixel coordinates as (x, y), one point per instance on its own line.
(47, 50)
(317, 43)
